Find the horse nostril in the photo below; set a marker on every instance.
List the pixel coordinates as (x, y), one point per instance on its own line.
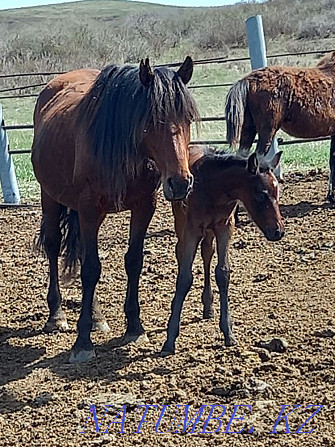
(170, 183)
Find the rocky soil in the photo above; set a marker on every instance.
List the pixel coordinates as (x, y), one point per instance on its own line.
(282, 291)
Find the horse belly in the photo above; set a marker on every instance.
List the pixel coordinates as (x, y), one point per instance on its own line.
(303, 123)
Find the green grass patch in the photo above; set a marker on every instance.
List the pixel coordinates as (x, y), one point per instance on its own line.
(302, 157)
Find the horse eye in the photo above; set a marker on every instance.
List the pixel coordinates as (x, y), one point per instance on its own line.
(261, 197)
(145, 130)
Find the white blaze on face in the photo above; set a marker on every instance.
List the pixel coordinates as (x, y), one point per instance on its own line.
(275, 185)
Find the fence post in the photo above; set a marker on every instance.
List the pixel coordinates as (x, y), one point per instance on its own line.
(257, 52)
(8, 181)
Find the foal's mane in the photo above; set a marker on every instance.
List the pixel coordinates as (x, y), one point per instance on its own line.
(221, 159)
(116, 112)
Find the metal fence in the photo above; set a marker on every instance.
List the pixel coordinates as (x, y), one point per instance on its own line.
(217, 60)
(258, 59)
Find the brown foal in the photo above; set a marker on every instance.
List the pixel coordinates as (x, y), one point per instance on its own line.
(208, 212)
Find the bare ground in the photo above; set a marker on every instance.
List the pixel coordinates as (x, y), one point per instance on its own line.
(284, 289)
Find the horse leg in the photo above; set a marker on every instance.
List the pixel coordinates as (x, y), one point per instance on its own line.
(185, 251)
(140, 219)
(99, 321)
(51, 239)
(248, 133)
(90, 219)
(223, 235)
(331, 186)
(266, 134)
(207, 252)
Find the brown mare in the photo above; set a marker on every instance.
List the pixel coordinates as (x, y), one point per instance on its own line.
(220, 180)
(96, 134)
(300, 101)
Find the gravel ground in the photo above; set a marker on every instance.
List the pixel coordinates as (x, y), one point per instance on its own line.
(279, 290)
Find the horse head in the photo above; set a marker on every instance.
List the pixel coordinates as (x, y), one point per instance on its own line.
(261, 196)
(167, 138)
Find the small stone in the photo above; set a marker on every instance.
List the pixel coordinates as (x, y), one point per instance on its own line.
(43, 399)
(274, 345)
(264, 355)
(257, 385)
(325, 333)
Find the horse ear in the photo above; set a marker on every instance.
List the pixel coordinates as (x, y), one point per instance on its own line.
(276, 159)
(146, 73)
(253, 164)
(186, 70)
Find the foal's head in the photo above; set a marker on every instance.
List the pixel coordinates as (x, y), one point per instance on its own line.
(261, 195)
(167, 136)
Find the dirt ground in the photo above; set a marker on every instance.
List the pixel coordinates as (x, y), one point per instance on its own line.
(283, 289)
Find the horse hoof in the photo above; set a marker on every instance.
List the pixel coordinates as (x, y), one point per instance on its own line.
(207, 314)
(331, 198)
(82, 356)
(230, 341)
(100, 326)
(56, 325)
(138, 339)
(167, 350)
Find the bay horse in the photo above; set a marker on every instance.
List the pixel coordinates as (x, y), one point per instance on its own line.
(220, 181)
(300, 101)
(99, 138)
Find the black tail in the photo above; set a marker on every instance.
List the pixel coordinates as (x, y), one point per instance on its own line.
(70, 243)
(236, 103)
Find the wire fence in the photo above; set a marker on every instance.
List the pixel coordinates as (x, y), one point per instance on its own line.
(216, 60)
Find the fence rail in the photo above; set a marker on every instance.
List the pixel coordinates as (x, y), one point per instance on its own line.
(215, 60)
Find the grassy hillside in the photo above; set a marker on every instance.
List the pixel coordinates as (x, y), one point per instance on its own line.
(98, 32)
(105, 10)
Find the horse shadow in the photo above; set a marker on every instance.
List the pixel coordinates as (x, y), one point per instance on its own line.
(17, 362)
(303, 208)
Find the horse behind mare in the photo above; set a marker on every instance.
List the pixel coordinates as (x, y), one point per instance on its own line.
(208, 212)
(300, 101)
(95, 136)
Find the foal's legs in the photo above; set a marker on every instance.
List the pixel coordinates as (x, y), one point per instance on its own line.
(140, 219)
(222, 274)
(207, 252)
(90, 220)
(51, 233)
(185, 251)
(331, 187)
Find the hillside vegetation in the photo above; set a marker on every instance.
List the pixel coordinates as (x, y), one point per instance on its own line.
(98, 32)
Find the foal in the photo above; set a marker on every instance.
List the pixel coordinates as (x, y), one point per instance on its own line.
(220, 181)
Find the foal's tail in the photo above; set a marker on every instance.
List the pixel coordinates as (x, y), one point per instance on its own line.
(236, 103)
(70, 247)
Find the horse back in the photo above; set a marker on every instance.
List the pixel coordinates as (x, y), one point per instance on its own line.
(63, 89)
(301, 101)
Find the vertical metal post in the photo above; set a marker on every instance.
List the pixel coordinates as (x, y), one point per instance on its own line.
(257, 52)
(10, 189)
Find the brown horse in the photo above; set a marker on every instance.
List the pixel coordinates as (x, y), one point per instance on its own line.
(220, 180)
(300, 101)
(96, 134)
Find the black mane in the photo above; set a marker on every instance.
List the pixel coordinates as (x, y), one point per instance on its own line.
(221, 159)
(118, 109)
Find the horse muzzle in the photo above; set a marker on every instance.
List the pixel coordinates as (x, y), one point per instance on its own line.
(273, 234)
(177, 188)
